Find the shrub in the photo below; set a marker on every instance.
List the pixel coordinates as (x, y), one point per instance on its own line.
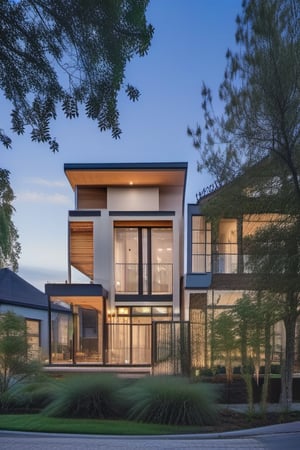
(171, 400)
(88, 396)
(15, 365)
(29, 395)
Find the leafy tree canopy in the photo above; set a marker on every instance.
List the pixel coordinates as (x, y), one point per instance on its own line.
(257, 139)
(9, 246)
(260, 93)
(67, 53)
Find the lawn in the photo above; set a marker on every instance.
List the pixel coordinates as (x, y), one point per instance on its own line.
(40, 423)
(228, 421)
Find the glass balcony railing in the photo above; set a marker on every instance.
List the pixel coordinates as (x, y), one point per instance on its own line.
(225, 263)
(228, 263)
(143, 279)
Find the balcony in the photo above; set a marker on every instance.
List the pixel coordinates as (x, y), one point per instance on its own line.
(144, 279)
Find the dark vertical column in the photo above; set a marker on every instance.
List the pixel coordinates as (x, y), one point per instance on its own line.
(149, 244)
(240, 245)
(49, 331)
(105, 333)
(140, 261)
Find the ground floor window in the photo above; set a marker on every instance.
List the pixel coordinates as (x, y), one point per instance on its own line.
(129, 333)
(61, 337)
(205, 309)
(96, 335)
(33, 338)
(198, 321)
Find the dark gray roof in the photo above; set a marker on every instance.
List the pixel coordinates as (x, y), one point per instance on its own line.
(14, 290)
(127, 166)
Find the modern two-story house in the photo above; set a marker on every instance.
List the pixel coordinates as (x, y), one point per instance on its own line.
(126, 237)
(136, 308)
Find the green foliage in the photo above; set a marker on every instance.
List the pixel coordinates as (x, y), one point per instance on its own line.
(14, 363)
(34, 394)
(224, 341)
(274, 253)
(68, 53)
(260, 93)
(9, 246)
(171, 400)
(90, 396)
(258, 133)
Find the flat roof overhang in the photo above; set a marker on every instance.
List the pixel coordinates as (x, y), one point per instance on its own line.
(77, 294)
(127, 174)
(65, 290)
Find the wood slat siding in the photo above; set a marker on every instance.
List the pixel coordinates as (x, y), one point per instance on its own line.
(82, 247)
(91, 198)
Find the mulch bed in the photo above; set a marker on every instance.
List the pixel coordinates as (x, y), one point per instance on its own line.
(230, 420)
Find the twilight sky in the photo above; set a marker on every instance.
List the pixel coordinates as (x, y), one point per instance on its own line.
(189, 45)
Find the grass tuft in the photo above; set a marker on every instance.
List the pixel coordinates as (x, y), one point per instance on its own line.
(87, 396)
(29, 395)
(171, 400)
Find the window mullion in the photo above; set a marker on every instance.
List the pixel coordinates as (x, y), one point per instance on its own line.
(140, 261)
(149, 263)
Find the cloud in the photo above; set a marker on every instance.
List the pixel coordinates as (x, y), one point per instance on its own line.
(39, 276)
(48, 183)
(39, 197)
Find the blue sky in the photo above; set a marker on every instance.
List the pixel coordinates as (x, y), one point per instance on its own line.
(189, 45)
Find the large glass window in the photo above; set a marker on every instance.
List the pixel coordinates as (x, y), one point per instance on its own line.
(130, 333)
(143, 260)
(33, 338)
(61, 337)
(201, 245)
(126, 260)
(162, 259)
(226, 248)
(251, 225)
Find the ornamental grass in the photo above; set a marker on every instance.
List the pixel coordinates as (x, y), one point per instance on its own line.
(171, 400)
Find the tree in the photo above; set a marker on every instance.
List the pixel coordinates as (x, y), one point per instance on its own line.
(261, 122)
(224, 342)
(274, 256)
(14, 362)
(67, 53)
(10, 248)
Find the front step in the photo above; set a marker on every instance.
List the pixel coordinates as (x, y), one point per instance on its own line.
(122, 371)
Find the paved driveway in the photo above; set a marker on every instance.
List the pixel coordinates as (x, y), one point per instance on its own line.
(266, 438)
(21, 441)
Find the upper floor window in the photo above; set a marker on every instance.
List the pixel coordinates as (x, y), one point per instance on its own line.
(143, 260)
(226, 247)
(201, 245)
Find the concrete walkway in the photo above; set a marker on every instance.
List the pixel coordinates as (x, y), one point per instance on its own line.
(272, 407)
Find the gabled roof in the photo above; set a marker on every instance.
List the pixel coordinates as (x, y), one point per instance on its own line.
(16, 291)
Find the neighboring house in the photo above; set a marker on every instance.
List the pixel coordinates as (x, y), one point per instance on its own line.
(217, 274)
(125, 235)
(23, 299)
(20, 297)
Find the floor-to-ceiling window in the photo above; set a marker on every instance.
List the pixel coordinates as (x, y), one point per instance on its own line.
(129, 331)
(201, 245)
(61, 337)
(143, 260)
(226, 248)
